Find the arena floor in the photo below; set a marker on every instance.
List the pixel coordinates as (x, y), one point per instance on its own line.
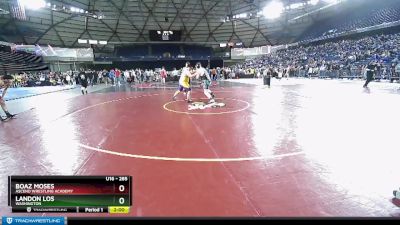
(300, 148)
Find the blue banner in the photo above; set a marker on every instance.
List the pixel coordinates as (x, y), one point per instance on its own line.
(32, 220)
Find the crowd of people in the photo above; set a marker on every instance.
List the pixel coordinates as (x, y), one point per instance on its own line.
(116, 76)
(336, 59)
(28, 79)
(113, 76)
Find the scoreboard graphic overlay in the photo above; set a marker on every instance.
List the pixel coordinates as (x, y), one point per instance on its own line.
(70, 194)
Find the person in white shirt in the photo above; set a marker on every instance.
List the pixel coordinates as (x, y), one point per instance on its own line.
(138, 75)
(175, 72)
(146, 75)
(310, 71)
(265, 72)
(151, 74)
(322, 70)
(126, 75)
(202, 73)
(287, 72)
(68, 79)
(280, 73)
(5, 83)
(396, 194)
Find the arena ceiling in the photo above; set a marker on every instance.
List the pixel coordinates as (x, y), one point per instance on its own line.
(129, 22)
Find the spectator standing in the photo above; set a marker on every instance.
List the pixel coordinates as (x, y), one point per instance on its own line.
(117, 77)
(68, 79)
(370, 73)
(126, 75)
(163, 74)
(104, 76)
(83, 80)
(5, 83)
(214, 74)
(111, 75)
(397, 70)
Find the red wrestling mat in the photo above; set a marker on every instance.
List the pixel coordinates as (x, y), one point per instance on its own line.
(257, 156)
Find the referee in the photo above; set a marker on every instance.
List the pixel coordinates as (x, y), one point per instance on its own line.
(83, 80)
(370, 73)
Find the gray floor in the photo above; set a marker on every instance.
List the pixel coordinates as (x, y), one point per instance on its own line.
(24, 104)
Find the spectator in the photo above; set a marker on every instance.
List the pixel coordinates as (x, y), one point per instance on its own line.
(371, 69)
(163, 74)
(111, 75)
(117, 77)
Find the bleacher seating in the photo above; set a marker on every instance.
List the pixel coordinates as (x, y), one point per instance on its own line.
(133, 52)
(337, 58)
(19, 57)
(18, 62)
(161, 50)
(20, 67)
(370, 13)
(197, 52)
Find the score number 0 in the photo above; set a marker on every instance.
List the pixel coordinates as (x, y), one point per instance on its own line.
(121, 200)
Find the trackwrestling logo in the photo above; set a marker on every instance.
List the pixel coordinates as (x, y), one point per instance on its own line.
(33, 220)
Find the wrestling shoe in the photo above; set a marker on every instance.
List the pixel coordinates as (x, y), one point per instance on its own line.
(11, 116)
(396, 194)
(2, 119)
(211, 101)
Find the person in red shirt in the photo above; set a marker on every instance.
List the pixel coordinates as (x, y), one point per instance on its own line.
(118, 76)
(163, 74)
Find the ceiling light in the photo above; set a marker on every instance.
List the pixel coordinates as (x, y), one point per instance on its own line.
(296, 5)
(81, 41)
(93, 42)
(33, 4)
(273, 10)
